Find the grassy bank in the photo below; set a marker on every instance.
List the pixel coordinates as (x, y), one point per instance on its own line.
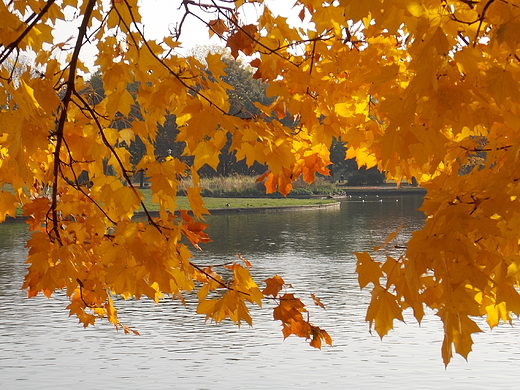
(243, 203)
(244, 192)
(239, 191)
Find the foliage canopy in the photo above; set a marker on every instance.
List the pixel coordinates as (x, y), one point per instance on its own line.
(416, 88)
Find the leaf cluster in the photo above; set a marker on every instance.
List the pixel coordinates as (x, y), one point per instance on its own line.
(419, 89)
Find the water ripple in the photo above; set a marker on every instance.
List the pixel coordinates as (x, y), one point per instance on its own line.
(41, 348)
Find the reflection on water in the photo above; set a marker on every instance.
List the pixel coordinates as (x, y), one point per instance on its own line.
(41, 348)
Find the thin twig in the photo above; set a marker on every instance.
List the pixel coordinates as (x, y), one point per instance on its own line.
(180, 79)
(13, 45)
(482, 17)
(80, 188)
(118, 159)
(216, 280)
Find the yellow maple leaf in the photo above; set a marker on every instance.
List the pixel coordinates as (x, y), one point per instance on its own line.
(368, 270)
(382, 311)
(501, 84)
(194, 197)
(8, 205)
(206, 153)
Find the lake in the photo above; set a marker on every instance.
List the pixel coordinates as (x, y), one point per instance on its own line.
(40, 347)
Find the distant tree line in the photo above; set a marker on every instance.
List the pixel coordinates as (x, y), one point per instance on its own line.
(247, 91)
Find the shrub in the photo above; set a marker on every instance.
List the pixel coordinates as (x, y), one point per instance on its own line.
(246, 187)
(301, 192)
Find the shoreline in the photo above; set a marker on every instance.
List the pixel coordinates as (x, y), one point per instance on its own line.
(266, 209)
(230, 210)
(382, 190)
(361, 190)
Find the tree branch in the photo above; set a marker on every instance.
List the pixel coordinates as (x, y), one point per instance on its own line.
(180, 79)
(13, 45)
(70, 87)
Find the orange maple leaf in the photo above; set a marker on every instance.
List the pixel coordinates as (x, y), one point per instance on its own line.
(297, 327)
(217, 26)
(243, 40)
(318, 335)
(274, 285)
(289, 309)
(246, 262)
(194, 231)
(317, 301)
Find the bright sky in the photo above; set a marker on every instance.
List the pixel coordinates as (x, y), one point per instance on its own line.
(160, 17)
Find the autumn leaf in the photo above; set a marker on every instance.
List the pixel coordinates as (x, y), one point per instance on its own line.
(319, 335)
(246, 262)
(458, 328)
(390, 237)
(502, 84)
(127, 329)
(242, 40)
(368, 270)
(7, 205)
(508, 33)
(194, 197)
(245, 284)
(317, 301)
(289, 310)
(426, 94)
(194, 231)
(217, 26)
(382, 311)
(273, 286)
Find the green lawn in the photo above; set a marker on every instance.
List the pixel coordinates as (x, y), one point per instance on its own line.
(222, 203)
(218, 203)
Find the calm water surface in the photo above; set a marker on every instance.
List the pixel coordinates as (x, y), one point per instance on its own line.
(41, 348)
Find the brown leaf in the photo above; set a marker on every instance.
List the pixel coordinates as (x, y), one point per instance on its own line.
(217, 26)
(274, 285)
(247, 263)
(243, 40)
(317, 301)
